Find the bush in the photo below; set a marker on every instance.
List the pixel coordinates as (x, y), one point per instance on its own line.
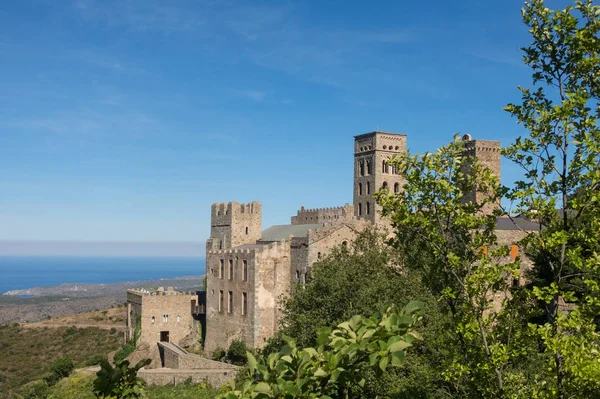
(62, 367)
(124, 352)
(34, 390)
(95, 360)
(236, 354)
(218, 354)
(113, 330)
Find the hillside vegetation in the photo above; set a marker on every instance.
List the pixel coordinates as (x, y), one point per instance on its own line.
(28, 353)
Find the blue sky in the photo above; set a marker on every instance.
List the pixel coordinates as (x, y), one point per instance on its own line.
(124, 120)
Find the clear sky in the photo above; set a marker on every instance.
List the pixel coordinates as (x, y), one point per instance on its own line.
(124, 120)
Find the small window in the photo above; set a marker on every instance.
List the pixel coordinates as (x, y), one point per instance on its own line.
(245, 271)
(220, 300)
(230, 302)
(359, 209)
(246, 230)
(368, 208)
(396, 187)
(361, 166)
(221, 244)
(368, 167)
(153, 320)
(368, 188)
(359, 188)
(178, 319)
(244, 303)
(319, 255)
(297, 274)
(385, 185)
(383, 166)
(222, 269)
(231, 269)
(344, 243)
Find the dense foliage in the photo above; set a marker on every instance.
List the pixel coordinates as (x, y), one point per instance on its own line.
(120, 381)
(330, 370)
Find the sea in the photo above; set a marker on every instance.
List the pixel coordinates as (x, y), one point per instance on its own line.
(20, 272)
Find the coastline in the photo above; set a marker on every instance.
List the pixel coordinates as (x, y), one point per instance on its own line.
(45, 302)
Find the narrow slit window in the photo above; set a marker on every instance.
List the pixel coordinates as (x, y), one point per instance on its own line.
(230, 269)
(245, 271)
(244, 303)
(222, 269)
(230, 302)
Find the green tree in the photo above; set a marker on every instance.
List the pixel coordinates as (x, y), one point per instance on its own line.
(561, 162)
(236, 354)
(359, 280)
(452, 243)
(330, 370)
(120, 381)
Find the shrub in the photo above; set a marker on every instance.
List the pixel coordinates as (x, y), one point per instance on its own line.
(113, 330)
(34, 390)
(95, 360)
(121, 381)
(62, 367)
(218, 354)
(236, 354)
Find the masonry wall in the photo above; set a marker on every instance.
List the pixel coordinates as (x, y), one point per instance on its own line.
(223, 326)
(323, 215)
(157, 305)
(214, 377)
(271, 284)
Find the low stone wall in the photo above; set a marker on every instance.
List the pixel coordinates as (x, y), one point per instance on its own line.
(176, 357)
(216, 378)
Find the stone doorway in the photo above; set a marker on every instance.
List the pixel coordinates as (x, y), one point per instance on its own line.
(164, 336)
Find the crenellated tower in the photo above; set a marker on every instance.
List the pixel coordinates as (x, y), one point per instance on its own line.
(487, 154)
(234, 224)
(372, 171)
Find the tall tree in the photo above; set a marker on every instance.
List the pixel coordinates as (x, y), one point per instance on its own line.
(561, 161)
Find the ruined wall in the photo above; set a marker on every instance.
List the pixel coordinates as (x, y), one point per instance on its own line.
(223, 326)
(323, 215)
(134, 308)
(175, 305)
(234, 224)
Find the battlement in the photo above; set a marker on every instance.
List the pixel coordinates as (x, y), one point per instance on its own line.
(233, 207)
(159, 292)
(323, 215)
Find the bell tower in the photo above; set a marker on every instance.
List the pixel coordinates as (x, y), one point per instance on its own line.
(372, 172)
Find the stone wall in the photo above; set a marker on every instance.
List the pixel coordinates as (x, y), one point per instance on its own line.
(224, 325)
(214, 377)
(162, 311)
(323, 215)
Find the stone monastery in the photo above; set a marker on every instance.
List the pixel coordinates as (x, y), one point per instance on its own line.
(248, 269)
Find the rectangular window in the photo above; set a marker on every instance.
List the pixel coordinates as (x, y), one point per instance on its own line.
(220, 300)
(245, 271)
(244, 303)
(231, 269)
(230, 302)
(222, 269)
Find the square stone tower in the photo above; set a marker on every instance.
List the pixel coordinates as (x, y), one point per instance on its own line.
(487, 153)
(234, 224)
(371, 171)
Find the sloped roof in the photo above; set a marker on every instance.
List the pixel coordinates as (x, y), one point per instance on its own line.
(506, 223)
(280, 232)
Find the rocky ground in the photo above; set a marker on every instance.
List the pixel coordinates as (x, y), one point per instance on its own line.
(50, 302)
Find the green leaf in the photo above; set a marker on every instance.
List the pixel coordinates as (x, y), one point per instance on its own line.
(398, 346)
(383, 363)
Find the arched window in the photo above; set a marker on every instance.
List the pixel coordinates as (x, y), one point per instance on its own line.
(368, 167)
(368, 208)
(319, 255)
(359, 209)
(368, 188)
(153, 319)
(359, 188)
(396, 187)
(383, 166)
(177, 318)
(385, 185)
(344, 243)
(361, 166)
